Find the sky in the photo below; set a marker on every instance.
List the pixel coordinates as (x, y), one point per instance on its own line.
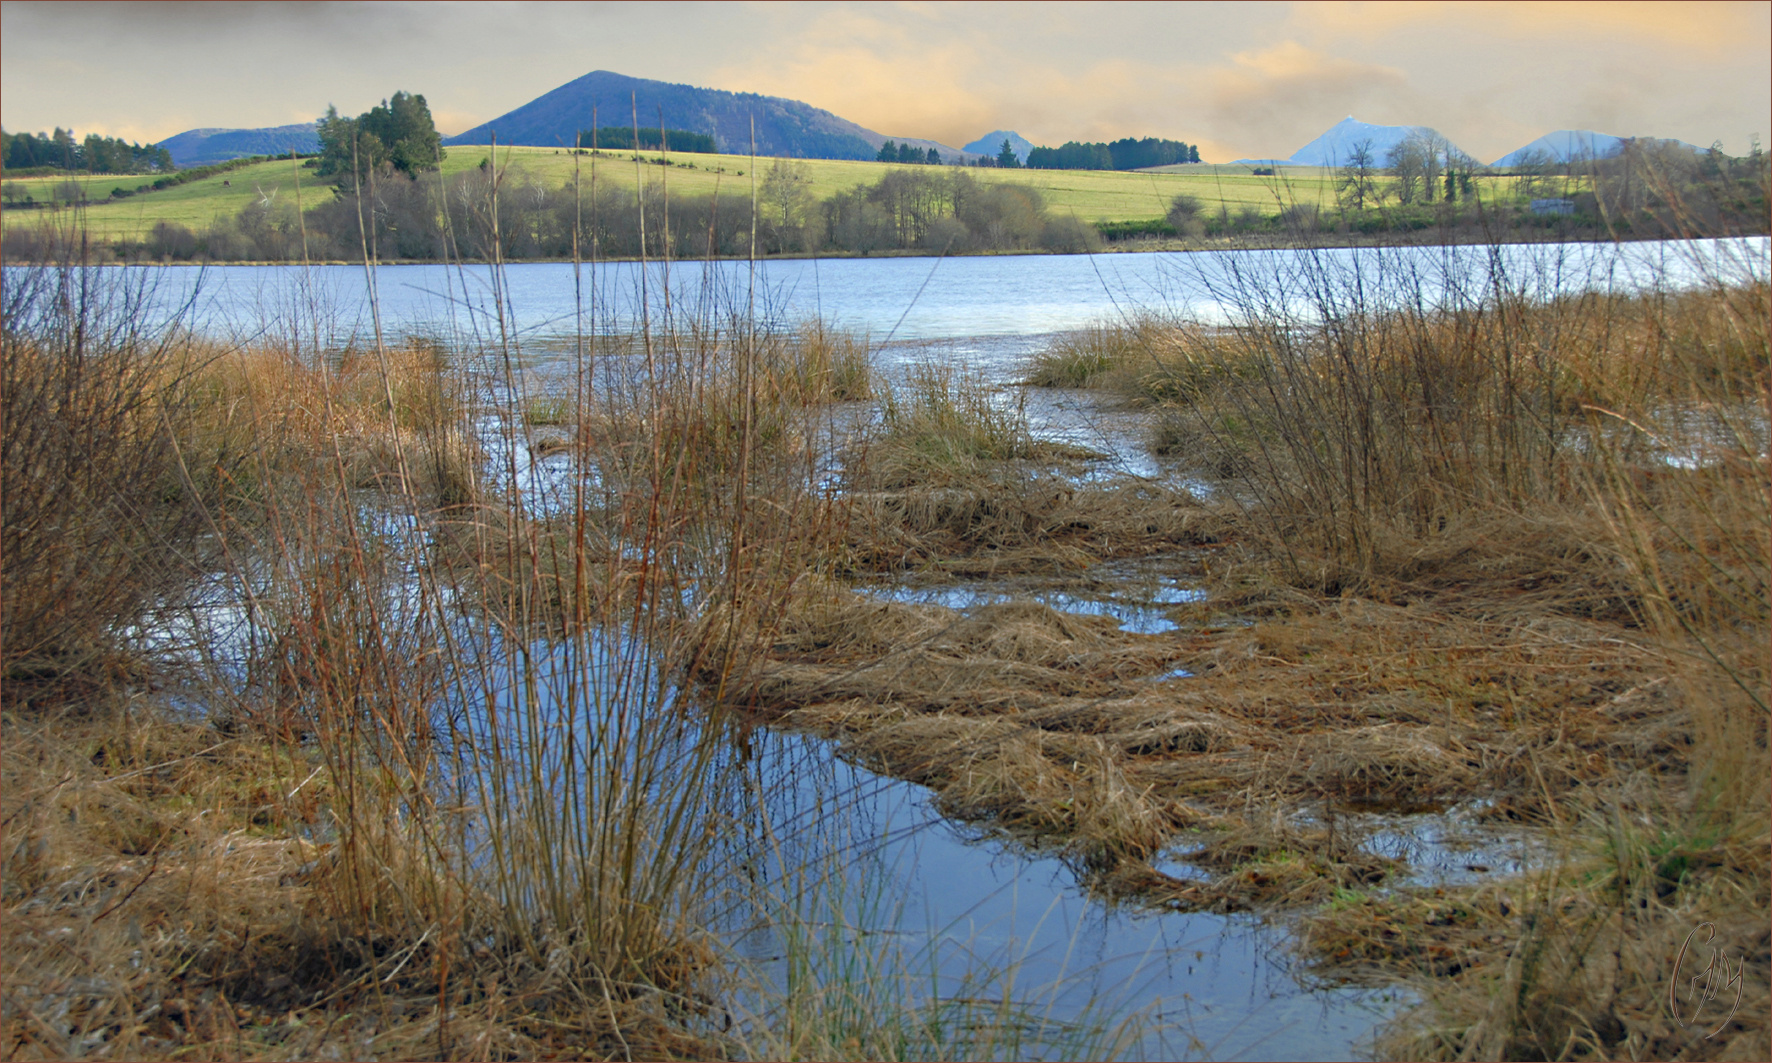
(1251, 80)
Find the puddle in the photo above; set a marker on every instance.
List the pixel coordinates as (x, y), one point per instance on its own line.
(957, 905)
(1137, 594)
(930, 911)
(1438, 848)
(1445, 849)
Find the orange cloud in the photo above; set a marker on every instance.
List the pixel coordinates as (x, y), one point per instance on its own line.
(891, 75)
(1272, 101)
(1708, 27)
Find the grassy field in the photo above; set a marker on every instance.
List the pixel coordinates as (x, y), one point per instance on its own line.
(1093, 196)
(194, 205)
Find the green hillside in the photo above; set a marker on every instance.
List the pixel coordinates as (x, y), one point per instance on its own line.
(1094, 196)
(194, 205)
(1231, 197)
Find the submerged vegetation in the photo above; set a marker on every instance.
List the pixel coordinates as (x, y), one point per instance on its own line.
(394, 701)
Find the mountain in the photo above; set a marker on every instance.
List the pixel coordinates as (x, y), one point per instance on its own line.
(1337, 143)
(992, 142)
(201, 147)
(784, 127)
(1567, 144)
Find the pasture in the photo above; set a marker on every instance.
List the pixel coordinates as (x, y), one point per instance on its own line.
(1093, 196)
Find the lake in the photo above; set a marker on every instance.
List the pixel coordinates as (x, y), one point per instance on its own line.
(897, 299)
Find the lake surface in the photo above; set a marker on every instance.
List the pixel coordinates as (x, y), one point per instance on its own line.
(901, 299)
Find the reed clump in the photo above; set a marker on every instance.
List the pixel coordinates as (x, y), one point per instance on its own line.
(393, 420)
(174, 892)
(1146, 362)
(101, 518)
(938, 427)
(817, 364)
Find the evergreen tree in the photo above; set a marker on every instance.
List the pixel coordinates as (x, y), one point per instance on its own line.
(888, 152)
(21, 151)
(399, 131)
(1006, 157)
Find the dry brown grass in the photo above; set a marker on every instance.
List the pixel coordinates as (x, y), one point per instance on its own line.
(393, 421)
(1050, 724)
(1508, 676)
(1458, 573)
(457, 884)
(1018, 518)
(174, 893)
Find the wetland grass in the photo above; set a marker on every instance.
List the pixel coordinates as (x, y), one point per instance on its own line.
(1507, 555)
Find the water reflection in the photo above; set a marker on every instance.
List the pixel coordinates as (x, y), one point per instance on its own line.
(1137, 593)
(967, 912)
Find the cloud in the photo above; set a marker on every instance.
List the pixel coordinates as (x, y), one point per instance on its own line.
(1272, 101)
(1709, 28)
(1495, 75)
(1239, 79)
(893, 75)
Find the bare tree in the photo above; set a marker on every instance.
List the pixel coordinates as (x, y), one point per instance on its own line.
(787, 190)
(1532, 172)
(1416, 162)
(1406, 165)
(1357, 181)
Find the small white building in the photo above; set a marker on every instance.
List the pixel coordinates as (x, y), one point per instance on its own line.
(1553, 206)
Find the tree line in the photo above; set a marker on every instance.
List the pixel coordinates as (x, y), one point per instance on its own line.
(429, 216)
(389, 194)
(93, 154)
(1647, 191)
(1124, 154)
(907, 154)
(1646, 187)
(619, 138)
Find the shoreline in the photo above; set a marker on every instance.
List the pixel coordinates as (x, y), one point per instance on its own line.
(1156, 245)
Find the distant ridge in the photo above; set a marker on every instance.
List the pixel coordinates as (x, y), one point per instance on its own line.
(783, 127)
(1567, 144)
(992, 142)
(201, 147)
(1337, 143)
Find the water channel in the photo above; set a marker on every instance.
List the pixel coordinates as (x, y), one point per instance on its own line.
(959, 900)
